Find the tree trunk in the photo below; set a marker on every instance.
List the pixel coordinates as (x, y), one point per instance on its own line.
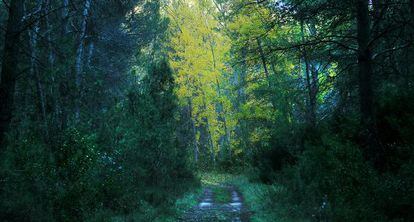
(264, 63)
(195, 142)
(412, 11)
(10, 64)
(314, 89)
(51, 54)
(79, 57)
(63, 99)
(91, 50)
(221, 112)
(263, 59)
(33, 34)
(210, 142)
(410, 56)
(241, 130)
(364, 63)
(373, 149)
(65, 17)
(310, 82)
(241, 79)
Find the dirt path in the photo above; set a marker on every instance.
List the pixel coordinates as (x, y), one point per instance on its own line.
(208, 209)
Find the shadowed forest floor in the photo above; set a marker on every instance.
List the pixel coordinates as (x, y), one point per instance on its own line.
(220, 198)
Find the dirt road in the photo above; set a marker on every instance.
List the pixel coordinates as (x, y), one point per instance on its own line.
(214, 207)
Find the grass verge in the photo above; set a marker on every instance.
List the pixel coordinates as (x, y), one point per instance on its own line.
(258, 197)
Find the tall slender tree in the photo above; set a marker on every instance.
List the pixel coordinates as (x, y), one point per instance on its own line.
(10, 65)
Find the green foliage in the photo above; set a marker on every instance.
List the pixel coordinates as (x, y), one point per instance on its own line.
(332, 182)
(93, 134)
(117, 104)
(55, 180)
(336, 181)
(136, 170)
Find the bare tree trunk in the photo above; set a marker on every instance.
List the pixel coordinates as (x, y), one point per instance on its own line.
(10, 64)
(222, 113)
(311, 113)
(91, 50)
(242, 129)
(410, 56)
(241, 79)
(65, 17)
(227, 135)
(209, 135)
(33, 34)
(373, 149)
(62, 87)
(263, 59)
(51, 54)
(53, 91)
(195, 142)
(412, 11)
(364, 62)
(222, 110)
(266, 71)
(314, 92)
(211, 144)
(79, 56)
(315, 79)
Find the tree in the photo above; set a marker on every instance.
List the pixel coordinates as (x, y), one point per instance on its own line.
(198, 58)
(10, 65)
(81, 147)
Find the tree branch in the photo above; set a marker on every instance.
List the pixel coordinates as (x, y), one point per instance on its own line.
(6, 4)
(391, 50)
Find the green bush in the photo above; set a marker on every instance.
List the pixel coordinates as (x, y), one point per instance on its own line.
(333, 182)
(130, 165)
(49, 181)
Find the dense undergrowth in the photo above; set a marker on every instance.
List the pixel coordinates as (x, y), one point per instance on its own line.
(330, 179)
(109, 109)
(128, 167)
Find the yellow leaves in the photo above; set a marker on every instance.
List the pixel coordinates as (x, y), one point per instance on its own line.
(237, 151)
(252, 23)
(258, 109)
(259, 134)
(332, 70)
(198, 56)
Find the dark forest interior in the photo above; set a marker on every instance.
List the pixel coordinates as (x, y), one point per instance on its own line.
(207, 110)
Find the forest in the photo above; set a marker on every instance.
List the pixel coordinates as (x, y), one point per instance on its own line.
(207, 110)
